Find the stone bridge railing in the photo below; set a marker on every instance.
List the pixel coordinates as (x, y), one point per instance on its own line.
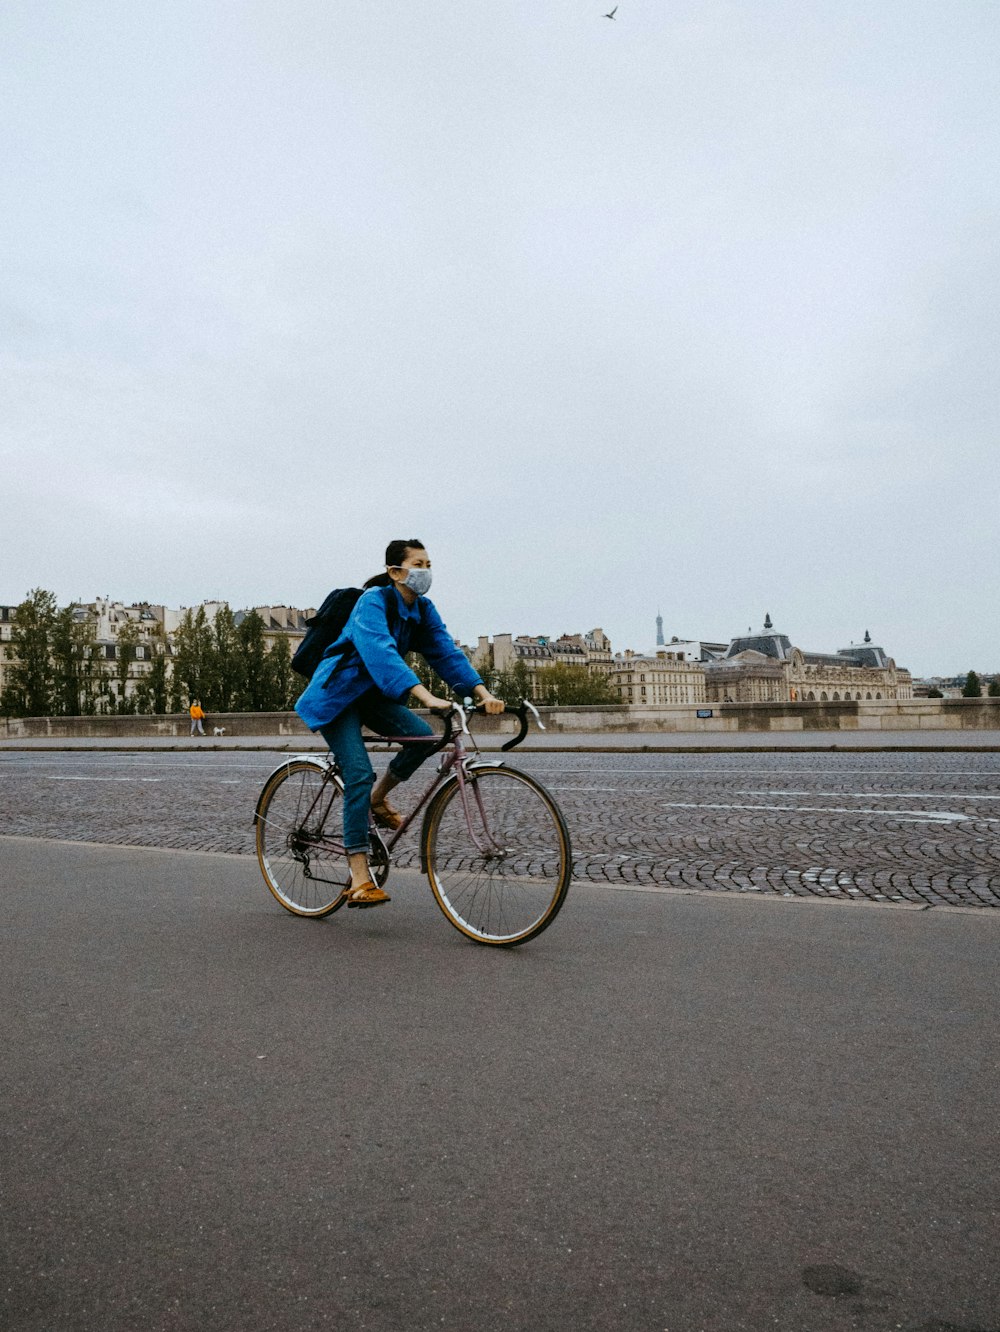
(932, 714)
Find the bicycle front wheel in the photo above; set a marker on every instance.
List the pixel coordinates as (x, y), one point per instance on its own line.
(498, 858)
(298, 815)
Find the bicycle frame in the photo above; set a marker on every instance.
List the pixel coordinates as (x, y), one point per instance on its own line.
(455, 760)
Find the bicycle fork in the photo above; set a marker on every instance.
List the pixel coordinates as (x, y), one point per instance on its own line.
(487, 845)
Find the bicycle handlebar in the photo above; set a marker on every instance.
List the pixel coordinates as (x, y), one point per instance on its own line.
(521, 713)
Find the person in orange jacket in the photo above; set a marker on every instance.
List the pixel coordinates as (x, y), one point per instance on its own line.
(197, 717)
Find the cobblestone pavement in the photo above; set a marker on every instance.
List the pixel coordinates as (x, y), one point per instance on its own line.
(888, 827)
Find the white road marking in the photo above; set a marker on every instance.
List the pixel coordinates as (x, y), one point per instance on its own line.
(882, 795)
(911, 816)
(50, 777)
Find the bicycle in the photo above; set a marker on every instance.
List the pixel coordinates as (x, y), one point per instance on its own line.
(493, 842)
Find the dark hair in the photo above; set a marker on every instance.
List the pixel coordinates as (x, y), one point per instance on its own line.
(395, 553)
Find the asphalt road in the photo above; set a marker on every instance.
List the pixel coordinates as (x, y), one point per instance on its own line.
(670, 1111)
(898, 827)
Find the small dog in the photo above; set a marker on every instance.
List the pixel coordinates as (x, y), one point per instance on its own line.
(218, 730)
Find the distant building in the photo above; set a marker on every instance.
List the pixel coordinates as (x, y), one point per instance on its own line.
(664, 678)
(697, 649)
(6, 654)
(944, 688)
(590, 651)
(766, 668)
(105, 619)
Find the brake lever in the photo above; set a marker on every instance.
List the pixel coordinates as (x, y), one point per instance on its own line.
(534, 711)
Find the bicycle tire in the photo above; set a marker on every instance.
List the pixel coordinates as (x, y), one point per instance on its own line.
(504, 895)
(293, 816)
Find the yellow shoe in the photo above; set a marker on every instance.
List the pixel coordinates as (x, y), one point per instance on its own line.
(367, 895)
(386, 817)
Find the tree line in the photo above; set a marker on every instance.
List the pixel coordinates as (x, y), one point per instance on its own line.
(56, 667)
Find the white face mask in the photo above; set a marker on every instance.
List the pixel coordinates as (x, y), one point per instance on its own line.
(418, 581)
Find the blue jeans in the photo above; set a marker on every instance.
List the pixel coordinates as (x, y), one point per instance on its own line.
(343, 735)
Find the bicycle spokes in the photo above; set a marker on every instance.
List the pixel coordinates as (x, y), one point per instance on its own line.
(498, 856)
(297, 820)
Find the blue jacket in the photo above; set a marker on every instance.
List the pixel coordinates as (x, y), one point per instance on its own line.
(369, 654)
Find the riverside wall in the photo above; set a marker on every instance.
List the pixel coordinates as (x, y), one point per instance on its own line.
(919, 714)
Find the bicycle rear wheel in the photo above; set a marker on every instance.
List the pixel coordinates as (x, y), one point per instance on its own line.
(298, 815)
(499, 861)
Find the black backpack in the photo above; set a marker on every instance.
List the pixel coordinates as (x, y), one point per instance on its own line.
(325, 627)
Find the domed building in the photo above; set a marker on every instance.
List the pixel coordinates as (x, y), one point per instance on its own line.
(765, 667)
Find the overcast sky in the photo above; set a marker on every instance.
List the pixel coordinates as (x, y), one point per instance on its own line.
(693, 310)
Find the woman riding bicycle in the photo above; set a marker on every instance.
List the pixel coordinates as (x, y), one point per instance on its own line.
(362, 680)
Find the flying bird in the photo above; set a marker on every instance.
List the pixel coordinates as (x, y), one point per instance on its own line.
(613, 13)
